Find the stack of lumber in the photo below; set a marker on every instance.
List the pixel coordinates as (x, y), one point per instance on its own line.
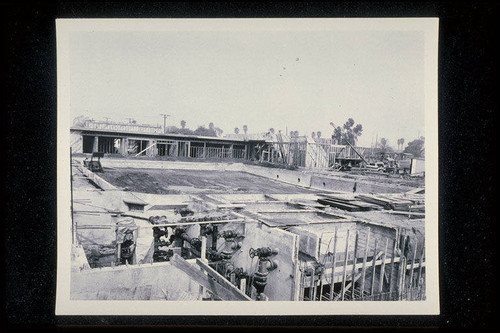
(388, 202)
(346, 201)
(401, 202)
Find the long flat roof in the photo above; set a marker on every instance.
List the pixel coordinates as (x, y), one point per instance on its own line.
(159, 135)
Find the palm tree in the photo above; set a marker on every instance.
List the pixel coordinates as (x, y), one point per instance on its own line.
(318, 134)
(245, 129)
(271, 130)
(183, 124)
(236, 130)
(383, 144)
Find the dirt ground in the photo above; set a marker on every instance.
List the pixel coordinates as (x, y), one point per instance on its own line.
(158, 181)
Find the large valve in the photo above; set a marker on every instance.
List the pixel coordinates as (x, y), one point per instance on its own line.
(265, 266)
(262, 252)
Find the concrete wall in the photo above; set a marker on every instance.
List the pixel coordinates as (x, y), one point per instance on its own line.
(282, 284)
(133, 282)
(96, 179)
(339, 184)
(139, 163)
(293, 177)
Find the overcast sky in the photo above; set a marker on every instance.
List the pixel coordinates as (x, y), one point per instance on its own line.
(287, 80)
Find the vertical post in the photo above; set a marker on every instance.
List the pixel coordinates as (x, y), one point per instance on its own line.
(391, 285)
(345, 265)
(215, 234)
(382, 268)
(420, 262)
(354, 260)
(403, 279)
(96, 144)
(203, 252)
(118, 253)
(314, 284)
(320, 277)
(333, 264)
(363, 269)
(123, 146)
(204, 150)
(400, 266)
(302, 286)
(373, 268)
(311, 284)
(413, 265)
(243, 286)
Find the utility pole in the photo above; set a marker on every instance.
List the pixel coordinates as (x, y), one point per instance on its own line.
(164, 122)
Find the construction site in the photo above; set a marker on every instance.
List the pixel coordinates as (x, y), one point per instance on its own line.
(159, 216)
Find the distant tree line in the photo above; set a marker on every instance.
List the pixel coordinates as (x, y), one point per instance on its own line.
(415, 147)
(212, 130)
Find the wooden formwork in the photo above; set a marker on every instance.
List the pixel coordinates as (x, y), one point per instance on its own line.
(387, 269)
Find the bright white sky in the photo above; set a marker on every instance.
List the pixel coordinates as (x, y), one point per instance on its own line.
(287, 80)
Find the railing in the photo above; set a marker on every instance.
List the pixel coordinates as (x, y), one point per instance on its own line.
(210, 152)
(92, 124)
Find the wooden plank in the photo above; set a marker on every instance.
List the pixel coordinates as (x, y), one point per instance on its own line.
(359, 265)
(393, 212)
(288, 211)
(382, 268)
(343, 206)
(354, 263)
(205, 281)
(239, 206)
(403, 279)
(222, 281)
(363, 269)
(393, 255)
(333, 264)
(401, 266)
(373, 268)
(413, 265)
(420, 262)
(345, 264)
(353, 202)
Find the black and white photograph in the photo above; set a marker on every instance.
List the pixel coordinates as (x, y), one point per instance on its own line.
(290, 162)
